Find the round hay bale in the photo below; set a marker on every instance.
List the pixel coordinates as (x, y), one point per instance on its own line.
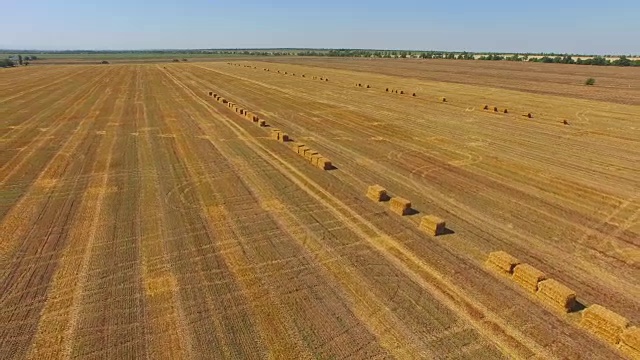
(506, 111)
(495, 109)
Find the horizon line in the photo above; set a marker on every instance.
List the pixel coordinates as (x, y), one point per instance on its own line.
(35, 50)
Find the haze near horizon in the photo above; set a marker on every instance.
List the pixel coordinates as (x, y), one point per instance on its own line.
(586, 27)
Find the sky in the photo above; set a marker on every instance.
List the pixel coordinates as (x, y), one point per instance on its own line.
(580, 27)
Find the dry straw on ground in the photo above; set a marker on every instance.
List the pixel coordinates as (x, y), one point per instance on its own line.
(400, 206)
(502, 262)
(528, 277)
(433, 225)
(630, 342)
(604, 323)
(556, 295)
(377, 193)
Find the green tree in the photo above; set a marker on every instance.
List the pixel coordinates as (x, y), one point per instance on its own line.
(20, 59)
(590, 82)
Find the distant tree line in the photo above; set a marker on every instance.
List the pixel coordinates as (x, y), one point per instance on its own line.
(365, 53)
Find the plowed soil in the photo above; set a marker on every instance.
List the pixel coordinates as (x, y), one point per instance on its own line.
(140, 218)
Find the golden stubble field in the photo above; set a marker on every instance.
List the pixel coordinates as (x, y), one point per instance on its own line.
(140, 217)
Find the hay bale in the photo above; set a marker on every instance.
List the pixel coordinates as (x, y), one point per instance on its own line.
(387, 89)
(308, 153)
(528, 277)
(400, 206)
(506, 111)
(414, 95)
(433, 225)
(556, 295)
(296, 147)
(255, 118)
(443, 99)
(314, 159)
(210, 93)
(302, 149)
(224, 101)
(326, 79)
(303, 75)
(324, 164)
(368, 86)
(486, 107)
(530, 116)
(283, 137)
(377, 193)
(630, 342)
(401, 92)
(262, 123)
(495, 109)
(275, 133)
(604, 323)
(502, 262)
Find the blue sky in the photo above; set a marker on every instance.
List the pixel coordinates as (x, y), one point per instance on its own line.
(603, 27)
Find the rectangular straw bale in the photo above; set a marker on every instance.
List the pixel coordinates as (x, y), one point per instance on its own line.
(502, 262)
(630, 342)
(262, 123)
(556, 295)
(296, 147)
(283, 137)
(528, 277)
(433, 225)
(314, 159)
(629, 351)
(309, 153)
(302, 149)
(400, 206)
(255, 118)
(377, 193)
(604, 323)
(324, 163)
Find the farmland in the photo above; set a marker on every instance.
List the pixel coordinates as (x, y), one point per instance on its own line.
(140, 217)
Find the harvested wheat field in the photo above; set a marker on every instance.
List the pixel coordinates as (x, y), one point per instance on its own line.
(142, 218)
